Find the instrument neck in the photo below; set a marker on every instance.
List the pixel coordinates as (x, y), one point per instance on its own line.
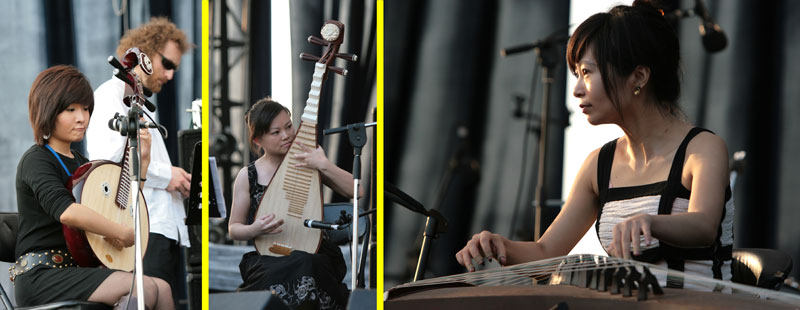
(310, 113)
(124, 188)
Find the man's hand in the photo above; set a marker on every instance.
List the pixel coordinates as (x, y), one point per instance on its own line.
(180, 182)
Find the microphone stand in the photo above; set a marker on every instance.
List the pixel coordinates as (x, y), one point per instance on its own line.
(547, 56)
(358, 137)
(435, 224)
(133, 136)
(130, 128)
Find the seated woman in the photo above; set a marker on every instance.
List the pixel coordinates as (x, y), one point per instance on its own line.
(660, 192)
(60, 104)
(301, 280)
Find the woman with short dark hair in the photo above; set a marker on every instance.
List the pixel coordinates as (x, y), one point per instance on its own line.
(60, 105)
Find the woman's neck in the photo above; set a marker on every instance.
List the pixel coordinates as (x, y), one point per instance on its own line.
(271, 160)
(650, 133)
(61, 147)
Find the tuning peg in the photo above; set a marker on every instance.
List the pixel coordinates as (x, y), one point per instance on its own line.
(348, 57)
(114, 62)
(308, 57)
(339, 71)
(317, 41)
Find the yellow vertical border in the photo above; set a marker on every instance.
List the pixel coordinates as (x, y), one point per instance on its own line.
(379, 138)
(205, 59)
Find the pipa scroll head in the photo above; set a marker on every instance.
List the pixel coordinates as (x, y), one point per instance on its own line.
(333, 32)
(133, 56)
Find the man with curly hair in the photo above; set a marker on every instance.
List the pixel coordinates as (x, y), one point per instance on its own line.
(165, 185)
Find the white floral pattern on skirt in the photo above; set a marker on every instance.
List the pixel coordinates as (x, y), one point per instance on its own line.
(305, 290)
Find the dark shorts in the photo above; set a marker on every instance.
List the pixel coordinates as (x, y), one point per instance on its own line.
(45, 285)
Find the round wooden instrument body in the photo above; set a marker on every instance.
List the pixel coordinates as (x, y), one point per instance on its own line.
(95, 185)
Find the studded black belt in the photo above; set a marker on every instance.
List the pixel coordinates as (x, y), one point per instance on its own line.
(49, 258)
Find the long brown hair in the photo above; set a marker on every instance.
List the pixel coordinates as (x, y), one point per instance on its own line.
(53, 90)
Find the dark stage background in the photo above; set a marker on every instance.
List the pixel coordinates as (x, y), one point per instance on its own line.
(444, 72)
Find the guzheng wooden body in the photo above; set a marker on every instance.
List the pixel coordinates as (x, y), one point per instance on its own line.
(104, 186)
(545, 284)
(294, 193)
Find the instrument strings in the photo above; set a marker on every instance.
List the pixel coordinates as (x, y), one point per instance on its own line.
(542, 271)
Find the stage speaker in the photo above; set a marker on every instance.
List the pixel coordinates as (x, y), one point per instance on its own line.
(246, 300)
(186, 141)
(362, 299)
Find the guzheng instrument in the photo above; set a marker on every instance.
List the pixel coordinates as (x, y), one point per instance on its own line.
(105, 187)
(581, 282)
(295, 193)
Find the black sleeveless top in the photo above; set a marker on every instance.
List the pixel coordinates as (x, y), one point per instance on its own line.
(256, 191)
(665, 197)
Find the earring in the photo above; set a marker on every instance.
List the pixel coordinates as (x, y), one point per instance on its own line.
(637, 90)
(47, 136)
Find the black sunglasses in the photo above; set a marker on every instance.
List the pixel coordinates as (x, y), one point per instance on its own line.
(167, 64)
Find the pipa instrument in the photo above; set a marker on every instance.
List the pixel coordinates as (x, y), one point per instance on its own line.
(295, 193)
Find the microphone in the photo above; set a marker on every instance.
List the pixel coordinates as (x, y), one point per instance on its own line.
(115, 123)
(714, 40)
(320, 225)
(147, 104)
(120, 123)
(161, 128)
(529, 46)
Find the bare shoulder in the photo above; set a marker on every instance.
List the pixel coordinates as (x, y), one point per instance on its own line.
(707, 145)
(241, 179)
(587, 176)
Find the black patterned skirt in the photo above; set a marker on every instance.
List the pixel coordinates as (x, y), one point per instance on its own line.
(301, 280)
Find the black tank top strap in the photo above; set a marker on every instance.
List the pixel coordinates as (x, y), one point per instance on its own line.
(252, 177)
(676, 171)
(256, 191)
(604, 161)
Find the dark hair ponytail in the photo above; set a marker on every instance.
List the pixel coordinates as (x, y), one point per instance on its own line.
(627, 37)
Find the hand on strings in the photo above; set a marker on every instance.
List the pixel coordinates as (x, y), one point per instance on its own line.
(124, 240)
(311, 158)
(181, 182)
(626, 236)
(483, 245)
(267, 224)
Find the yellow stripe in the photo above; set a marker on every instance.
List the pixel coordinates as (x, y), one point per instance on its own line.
(379, 139)
(204, 47)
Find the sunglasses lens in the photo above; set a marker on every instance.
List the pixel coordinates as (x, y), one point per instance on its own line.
(167, 64)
